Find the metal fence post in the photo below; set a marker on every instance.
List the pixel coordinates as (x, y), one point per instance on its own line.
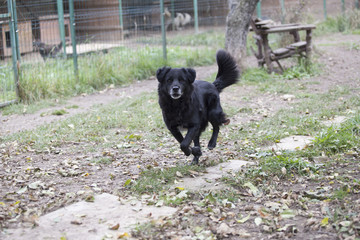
(16, 29)
(73, 36)
(14, 43)
(325, 11)
(357, 4)
(196, 19)
(172, 10)
(121, 19)
(343, 6)
(258, 9)
(282, 11)
(60, 9)
(163, 30)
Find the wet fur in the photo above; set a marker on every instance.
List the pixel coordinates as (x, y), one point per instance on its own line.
(192, 104)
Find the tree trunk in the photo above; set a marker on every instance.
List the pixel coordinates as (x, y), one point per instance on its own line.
(237, 27)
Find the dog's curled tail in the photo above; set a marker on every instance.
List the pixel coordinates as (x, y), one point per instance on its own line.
(228, 72)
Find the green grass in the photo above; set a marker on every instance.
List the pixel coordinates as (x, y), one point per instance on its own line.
(143, 111)
(284, 166)
(335, 140)
(55, 78)
(214, 38)
(156, 180)
(346, 23)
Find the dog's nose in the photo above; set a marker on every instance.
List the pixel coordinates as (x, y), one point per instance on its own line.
(175, 88)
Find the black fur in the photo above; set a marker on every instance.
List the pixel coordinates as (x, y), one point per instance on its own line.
(191, 104)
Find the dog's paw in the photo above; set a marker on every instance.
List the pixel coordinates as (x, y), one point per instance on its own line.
(196, 151)
(211, 145)
(195, 161)
(187, 150)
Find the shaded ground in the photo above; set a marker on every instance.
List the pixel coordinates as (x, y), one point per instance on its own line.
(35, 183)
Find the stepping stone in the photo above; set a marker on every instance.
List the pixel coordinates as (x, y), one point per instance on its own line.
(291, 143)
(210, 180)
(91, 220)
(336, 121)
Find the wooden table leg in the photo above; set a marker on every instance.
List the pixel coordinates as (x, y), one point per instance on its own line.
(296, 36)
(267, 51)
(308, 43)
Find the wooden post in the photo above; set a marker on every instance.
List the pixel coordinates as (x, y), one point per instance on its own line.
(296, 36)
(308, 43)
(267, 51)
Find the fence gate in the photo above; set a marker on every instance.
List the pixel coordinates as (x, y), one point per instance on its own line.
(9, 54)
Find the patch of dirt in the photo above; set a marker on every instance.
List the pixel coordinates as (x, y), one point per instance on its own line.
(35, 183)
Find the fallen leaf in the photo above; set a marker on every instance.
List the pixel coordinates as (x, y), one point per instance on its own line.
(123, 235)
(324, 222)
(288, 228)
(258, 221)
(224, 230)
(288, 213)
(243, 219)
(115, 227)
(76, 222)
(127, 182)
(160, 203)
(253, 190)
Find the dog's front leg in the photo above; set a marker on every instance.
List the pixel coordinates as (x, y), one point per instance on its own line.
(177, 134)
(185, 144)
(179, 137)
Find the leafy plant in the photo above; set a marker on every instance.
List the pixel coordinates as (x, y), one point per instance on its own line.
(155, 180)
(304, 69)
(336, 140)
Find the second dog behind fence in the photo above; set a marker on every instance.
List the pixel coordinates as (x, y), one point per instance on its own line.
(179, 22)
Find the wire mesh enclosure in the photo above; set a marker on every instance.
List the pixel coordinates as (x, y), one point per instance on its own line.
(43, 41)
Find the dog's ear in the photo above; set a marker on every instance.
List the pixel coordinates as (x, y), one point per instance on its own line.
(190, 73)
(161, 72)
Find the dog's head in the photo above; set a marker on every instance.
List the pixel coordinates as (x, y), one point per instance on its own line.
(175, 81)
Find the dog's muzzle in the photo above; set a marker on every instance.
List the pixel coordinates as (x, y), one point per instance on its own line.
(175, 92)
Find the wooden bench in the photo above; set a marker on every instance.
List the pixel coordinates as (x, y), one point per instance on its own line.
(265, 55)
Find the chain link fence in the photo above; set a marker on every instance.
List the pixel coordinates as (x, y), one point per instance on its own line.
(58, 39)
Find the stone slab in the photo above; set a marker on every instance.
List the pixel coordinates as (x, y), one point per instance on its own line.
(210, 180)
(91, 220)
(291, 143)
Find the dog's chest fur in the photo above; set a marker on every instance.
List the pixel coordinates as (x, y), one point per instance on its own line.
(179, 113)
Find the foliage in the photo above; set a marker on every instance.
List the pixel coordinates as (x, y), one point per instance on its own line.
(342, 23)
(155, 180)
(336, 140)
(304, 69)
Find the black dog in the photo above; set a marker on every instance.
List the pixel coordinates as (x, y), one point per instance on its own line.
(190, 104)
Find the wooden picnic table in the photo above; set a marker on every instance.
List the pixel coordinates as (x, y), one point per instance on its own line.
(266, 55)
